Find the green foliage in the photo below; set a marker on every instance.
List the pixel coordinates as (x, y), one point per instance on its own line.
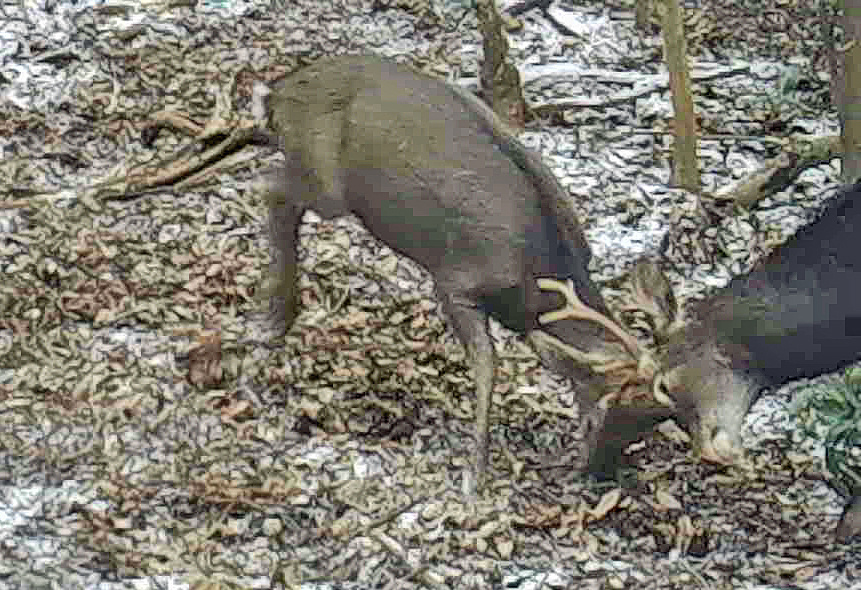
(786, 99)
(835, 412)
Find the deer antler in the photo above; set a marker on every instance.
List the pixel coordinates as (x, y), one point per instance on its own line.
(623, 373)
(577, 310)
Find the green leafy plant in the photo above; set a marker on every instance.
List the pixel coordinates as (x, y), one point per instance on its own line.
(835, 411)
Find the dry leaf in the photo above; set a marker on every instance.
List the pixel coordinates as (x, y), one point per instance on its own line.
(204, 360)
(666, 501)
(608, 501)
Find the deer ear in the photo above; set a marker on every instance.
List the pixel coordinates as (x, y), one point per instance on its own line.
(653, 295)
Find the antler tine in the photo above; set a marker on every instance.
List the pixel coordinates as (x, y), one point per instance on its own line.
(575, 309)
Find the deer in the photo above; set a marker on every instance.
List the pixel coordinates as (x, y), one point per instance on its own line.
(796, 314)
(434, 174)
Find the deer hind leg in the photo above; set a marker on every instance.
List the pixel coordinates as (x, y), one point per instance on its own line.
(312, 178)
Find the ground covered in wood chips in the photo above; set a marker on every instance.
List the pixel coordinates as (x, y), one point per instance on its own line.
(156, 432)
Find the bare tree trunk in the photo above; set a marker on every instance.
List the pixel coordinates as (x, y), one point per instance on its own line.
(500, 80)
(685, 172)
(643, 11)
(851, 100)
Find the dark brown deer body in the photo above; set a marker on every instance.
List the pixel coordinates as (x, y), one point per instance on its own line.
(431, 172)
(797, 314)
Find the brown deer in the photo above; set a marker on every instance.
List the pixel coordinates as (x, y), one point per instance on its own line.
(432, 172)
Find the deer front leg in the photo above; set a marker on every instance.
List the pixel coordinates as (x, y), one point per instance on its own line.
(471, 326)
